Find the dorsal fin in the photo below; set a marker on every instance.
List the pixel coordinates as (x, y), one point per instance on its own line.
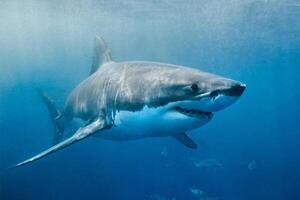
(101, 54)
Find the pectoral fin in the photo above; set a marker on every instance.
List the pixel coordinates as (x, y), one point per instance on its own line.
(184, 139)
(80, 134)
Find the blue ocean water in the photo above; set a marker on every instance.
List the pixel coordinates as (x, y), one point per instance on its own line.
(248, 151)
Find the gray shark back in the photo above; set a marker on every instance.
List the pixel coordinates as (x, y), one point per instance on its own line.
(127, 86)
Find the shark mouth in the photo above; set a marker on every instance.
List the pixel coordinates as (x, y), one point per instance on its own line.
(194, 113)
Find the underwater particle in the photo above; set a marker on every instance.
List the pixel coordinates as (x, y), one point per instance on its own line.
(164, 151)
(196, 192)
(252, 165)
(208, 163)
(201, 195)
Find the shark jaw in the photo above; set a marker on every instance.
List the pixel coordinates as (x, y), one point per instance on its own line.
(194, 113)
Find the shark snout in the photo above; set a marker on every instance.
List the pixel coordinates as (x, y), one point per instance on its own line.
(223, 93)
(236, 90)
(226, 87)
(223, 97)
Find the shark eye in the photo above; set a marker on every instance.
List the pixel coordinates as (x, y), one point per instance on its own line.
(194, 87)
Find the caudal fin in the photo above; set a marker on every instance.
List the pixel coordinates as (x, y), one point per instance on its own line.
(56, 116)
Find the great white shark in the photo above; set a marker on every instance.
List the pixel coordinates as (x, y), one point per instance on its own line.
(138, 99)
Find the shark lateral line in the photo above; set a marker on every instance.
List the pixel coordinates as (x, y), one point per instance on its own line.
(138, 99)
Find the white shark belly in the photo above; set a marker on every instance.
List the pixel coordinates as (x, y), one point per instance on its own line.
(123, 133)
(149, 122)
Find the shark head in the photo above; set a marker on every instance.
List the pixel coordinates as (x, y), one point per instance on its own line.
(173, 97)
(189, 97)
(201, 91)
(189, 88)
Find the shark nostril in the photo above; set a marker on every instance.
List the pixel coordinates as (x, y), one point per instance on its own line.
(236, 90)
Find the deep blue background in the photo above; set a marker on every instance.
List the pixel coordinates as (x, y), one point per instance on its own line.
(49, 45)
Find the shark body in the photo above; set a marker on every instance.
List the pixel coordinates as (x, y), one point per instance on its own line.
(139, 99)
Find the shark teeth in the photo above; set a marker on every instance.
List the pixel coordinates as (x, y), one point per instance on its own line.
(193, 112)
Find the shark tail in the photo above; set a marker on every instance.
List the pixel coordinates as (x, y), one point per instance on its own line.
(57, 117)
